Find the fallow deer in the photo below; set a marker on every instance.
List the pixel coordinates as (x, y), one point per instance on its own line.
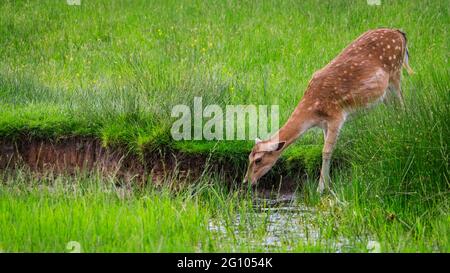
(358, 77)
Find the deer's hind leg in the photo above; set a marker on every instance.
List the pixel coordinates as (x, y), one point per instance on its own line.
(395, 83)
(331, 135)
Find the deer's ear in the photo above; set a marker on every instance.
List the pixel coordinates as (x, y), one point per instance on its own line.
(274, 147)
(280, 145)
(257, 140)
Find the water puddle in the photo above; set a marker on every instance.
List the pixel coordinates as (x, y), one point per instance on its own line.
(282, 224)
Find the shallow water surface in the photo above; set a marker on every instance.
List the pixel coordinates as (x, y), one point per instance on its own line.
(280, 223)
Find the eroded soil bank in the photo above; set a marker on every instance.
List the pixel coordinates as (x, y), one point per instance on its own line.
(72, 154)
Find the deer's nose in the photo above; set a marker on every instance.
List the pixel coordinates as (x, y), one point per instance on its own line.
(254, 181)
(245, 179)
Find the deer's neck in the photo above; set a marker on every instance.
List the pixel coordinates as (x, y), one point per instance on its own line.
(297, 124)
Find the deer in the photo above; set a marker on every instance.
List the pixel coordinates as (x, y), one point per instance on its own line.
(362, 75)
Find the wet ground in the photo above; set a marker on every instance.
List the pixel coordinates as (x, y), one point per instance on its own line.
(281, 223)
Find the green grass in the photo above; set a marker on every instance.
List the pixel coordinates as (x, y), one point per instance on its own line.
(105, 215)
(114, 69)
(116, 75)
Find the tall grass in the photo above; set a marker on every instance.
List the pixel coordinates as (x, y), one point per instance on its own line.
(47, 213)
(105, 215)
(117, 68)
(114, 70)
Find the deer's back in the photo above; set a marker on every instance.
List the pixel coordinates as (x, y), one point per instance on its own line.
(360, 74)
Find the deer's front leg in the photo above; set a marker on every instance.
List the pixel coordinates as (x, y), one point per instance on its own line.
(331, 136)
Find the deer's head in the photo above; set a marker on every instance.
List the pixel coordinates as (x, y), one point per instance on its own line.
(263, 156)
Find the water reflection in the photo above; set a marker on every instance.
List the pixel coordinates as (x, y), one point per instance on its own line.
(280, 224)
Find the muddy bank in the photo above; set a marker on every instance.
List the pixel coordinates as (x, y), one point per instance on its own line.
(72, 154)
(65, 155)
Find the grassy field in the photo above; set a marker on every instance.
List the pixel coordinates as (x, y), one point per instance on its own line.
(114, 69)
(46, 214)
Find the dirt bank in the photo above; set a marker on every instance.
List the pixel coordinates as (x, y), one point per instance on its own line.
(71, 154)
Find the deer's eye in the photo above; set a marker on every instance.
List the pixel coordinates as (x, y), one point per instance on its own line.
(258, 160)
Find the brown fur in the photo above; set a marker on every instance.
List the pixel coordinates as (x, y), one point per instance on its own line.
(357, 78)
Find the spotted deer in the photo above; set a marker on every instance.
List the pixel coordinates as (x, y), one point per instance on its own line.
(357, 78)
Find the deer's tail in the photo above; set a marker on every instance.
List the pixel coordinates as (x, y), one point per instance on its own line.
(406, 57)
